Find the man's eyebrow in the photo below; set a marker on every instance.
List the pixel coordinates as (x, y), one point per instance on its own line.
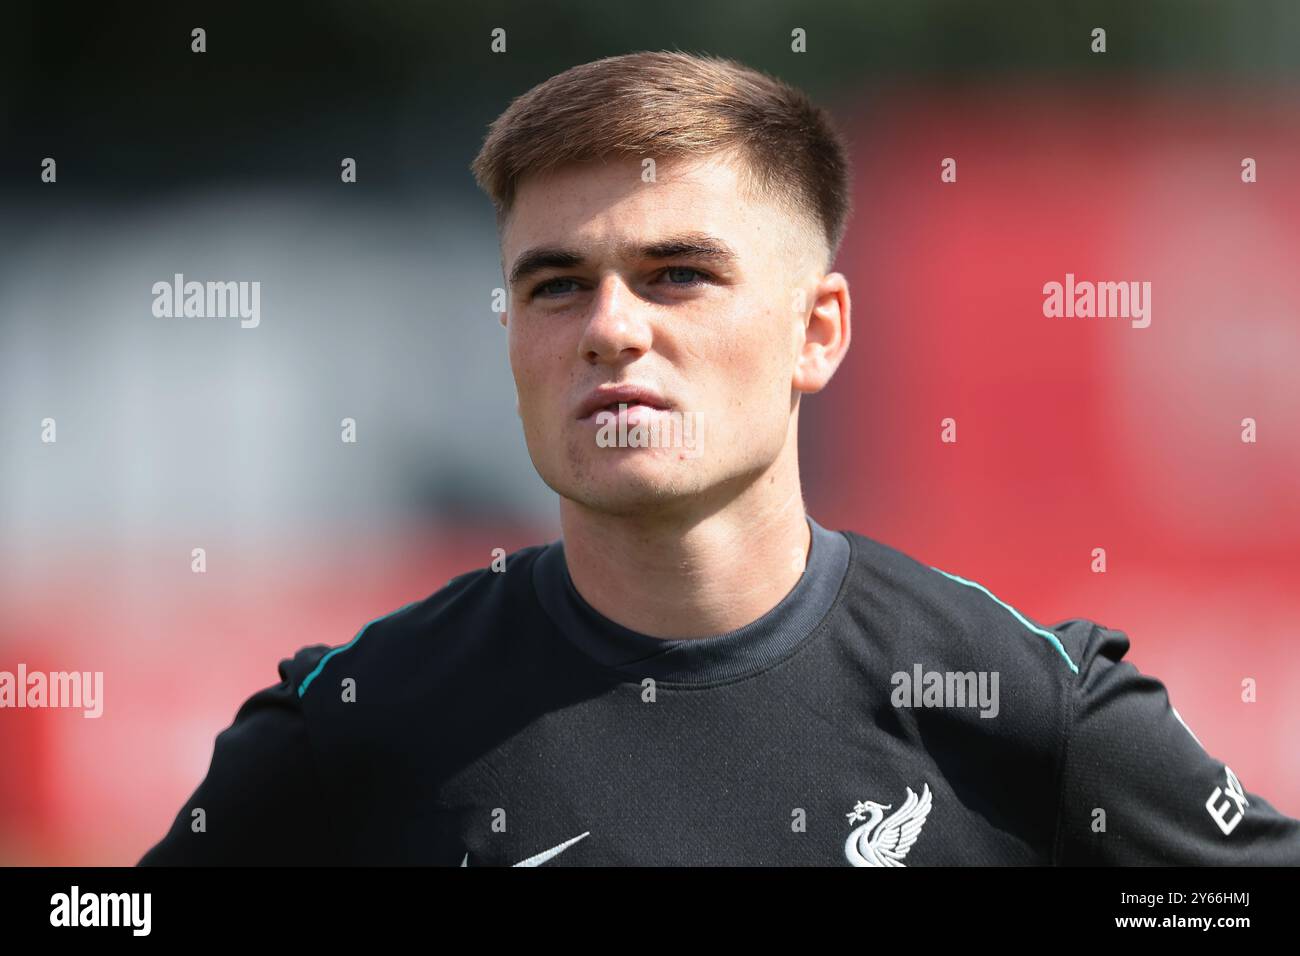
(691, 245)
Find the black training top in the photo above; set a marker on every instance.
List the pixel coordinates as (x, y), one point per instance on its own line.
(883, 713)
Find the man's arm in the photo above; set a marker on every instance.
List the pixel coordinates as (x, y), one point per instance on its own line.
(263, 801)
(1138, 788)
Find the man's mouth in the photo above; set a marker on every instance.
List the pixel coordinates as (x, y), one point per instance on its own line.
(629, 406)
(620, 413)
(620, 399)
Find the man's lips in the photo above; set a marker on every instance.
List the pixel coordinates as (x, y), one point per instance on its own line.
(611, 397)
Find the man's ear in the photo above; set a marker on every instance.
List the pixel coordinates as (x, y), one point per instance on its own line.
(827, 334)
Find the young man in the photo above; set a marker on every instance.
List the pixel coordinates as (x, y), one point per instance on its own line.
(697, 672)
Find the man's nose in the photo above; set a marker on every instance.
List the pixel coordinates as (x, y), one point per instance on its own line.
(616, 323)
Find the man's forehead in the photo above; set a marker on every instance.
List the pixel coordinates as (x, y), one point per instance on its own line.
(607, 207)
(597, 193)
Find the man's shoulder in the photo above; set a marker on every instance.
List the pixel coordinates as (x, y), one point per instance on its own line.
(957, 617)
(450, 625)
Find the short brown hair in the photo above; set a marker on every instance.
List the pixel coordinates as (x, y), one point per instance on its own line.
(674, 104)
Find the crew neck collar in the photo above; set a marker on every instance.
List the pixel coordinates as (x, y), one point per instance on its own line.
(699, 659)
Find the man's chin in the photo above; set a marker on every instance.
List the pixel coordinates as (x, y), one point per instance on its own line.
(634, 482)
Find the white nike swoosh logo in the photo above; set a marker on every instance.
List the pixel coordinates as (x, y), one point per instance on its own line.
(545, 855)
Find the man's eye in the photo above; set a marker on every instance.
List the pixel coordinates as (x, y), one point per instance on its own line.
(546, 287)
(678, 270)
(676, 275)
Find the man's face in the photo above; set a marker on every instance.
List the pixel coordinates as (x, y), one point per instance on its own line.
(713, 334)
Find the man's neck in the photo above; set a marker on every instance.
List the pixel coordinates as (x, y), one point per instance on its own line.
(692, 576)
